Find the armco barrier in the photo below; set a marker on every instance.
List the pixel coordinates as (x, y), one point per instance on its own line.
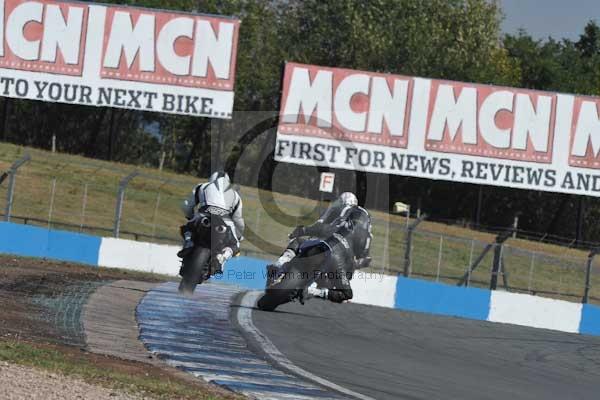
(369, 288)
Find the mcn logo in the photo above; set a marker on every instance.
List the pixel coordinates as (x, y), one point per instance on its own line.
(171, 48)
(491, 122)
(42, 36)
(138, 44)
(585, 134)
(345, 105)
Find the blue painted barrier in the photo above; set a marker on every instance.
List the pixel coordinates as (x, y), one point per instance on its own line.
(246, 272)
(442, 299)
(32, 241)
(590, 320)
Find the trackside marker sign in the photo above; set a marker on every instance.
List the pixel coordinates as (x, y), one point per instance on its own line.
(327, 181)
(115, 56)
(439, 130)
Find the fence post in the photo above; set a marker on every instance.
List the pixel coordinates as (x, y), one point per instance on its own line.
(154, 214)
(439, 266)
(51, 208)
(408, 252)
(83, 207)
(588, 275)
(162, 161)
(120, 199)
(12, 172)
(500, 239)
(531, 267)
(386, 245)
(257, 221)
(470, 262)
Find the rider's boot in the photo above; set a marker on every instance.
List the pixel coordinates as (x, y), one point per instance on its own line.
(286, 257)
(363, 262)
(225, 255)
(188, 244)
(313, 291)
(272, 271)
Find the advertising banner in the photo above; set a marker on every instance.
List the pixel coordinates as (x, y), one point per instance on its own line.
(439, 129)
(117, 56)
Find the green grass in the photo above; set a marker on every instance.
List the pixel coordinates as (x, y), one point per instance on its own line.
(152, 203)
(80, 366)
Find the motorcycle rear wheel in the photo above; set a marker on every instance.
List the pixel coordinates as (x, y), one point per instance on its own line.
(194, 270)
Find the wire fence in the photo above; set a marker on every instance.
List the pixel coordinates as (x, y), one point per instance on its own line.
(451, 259)
(92, 199)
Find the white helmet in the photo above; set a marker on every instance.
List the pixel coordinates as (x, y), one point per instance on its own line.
(221, 180)
(348, 199)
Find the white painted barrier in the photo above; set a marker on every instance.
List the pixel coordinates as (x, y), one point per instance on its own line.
(537, 312)
(139, 256)
(374, 289)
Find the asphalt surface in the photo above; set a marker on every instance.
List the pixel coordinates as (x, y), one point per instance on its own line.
(389, 354)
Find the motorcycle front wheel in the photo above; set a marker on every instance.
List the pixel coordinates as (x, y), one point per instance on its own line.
(194, 270)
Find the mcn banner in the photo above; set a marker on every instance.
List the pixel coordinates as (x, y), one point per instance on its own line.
(439, 130)
(83, 53)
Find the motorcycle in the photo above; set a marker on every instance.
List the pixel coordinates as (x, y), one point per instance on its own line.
(310, 265)
(210, 235)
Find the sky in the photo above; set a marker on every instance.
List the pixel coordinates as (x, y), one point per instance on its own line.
(543, 18)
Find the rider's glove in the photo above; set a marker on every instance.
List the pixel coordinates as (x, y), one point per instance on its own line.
(224, 255)
(299, 231)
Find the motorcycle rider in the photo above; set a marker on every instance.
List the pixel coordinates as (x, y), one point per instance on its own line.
(344, 217)
(217, 196)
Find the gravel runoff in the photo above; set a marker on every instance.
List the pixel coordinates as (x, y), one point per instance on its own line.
(20, 383)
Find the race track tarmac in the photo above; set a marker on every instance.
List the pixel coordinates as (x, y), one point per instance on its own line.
(389, 354)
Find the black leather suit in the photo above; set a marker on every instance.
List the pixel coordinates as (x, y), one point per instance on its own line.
(347, 233)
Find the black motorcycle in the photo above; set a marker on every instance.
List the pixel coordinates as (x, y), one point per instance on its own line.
(210, 235)
(312, 264)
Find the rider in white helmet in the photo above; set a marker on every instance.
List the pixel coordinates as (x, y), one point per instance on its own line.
(215, 196)
(337, 208)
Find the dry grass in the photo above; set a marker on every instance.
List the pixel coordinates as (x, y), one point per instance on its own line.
(107, 372)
